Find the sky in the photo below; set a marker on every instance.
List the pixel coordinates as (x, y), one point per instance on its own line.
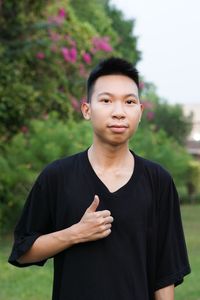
(169, 38)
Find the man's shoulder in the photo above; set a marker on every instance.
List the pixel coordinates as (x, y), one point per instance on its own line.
(153, 168)
(62, 166)
(67, 161)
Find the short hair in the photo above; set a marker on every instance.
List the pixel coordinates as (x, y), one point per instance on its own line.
(111, 66)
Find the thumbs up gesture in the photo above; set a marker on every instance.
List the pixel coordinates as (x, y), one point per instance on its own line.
(94, 205)
(94, 224)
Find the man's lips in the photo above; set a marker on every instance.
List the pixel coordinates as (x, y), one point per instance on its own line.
(118, 128)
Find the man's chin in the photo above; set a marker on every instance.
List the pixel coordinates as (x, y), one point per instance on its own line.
(118, 142)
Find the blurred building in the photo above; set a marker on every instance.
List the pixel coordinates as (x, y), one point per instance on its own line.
(193, 141)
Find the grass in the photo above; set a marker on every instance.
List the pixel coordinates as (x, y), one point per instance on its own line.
(190, 289)
(31, 283)
(35, 283)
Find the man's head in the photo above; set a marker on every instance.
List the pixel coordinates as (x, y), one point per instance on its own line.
(111, 66)
(113, 106)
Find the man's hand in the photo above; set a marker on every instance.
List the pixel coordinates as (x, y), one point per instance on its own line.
(94, 224)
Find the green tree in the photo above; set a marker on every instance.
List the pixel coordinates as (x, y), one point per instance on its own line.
(94, 13)
(17, 89)
(172, 119)
(109, 21)
(26, 154)
(156, 145)
(45, 55)
(165, 116)
(127, 42)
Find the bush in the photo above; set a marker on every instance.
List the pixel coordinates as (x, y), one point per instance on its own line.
(157, 146)
(26, 155)
(165, 116)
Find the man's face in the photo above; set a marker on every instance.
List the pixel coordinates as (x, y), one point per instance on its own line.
(114, 109)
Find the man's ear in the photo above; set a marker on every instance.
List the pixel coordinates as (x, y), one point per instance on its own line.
(141, 110)
(85, 108)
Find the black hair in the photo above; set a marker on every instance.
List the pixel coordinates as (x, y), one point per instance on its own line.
(111, 66)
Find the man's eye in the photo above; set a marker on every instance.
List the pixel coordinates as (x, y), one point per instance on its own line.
(130, 101)
(105, 100)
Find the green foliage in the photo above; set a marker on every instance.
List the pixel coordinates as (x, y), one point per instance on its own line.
(95, 15)
(23, 157)
(165, 116)
(171, 118)
(192, 182)
(46, 52)
(18, 15)
(18, 97)
(45, 55)
(127, 42)
(109, 21)
(157, 146)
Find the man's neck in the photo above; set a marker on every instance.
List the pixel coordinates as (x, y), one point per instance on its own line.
(109, 157)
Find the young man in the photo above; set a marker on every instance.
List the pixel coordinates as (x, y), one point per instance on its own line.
(110, 218)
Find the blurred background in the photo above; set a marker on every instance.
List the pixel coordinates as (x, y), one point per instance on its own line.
(47, 49)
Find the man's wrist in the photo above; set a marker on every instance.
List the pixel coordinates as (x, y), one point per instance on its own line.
(75, 234)
(68, 236)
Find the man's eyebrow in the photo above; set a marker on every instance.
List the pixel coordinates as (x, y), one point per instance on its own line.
(110, 94)
(132, 95)
(105, 93)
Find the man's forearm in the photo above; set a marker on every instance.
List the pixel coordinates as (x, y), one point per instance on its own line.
(93, 225)
(166, 293)
(49, 245)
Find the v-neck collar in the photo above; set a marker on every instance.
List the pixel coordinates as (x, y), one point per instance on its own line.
(102, 185)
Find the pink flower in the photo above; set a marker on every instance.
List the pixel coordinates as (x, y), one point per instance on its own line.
(87, 58)
(75, 103)
(54, 36)
(69, 55)
(59, 19)
(82, 71)
(65, 52)
(70, 41)
(147, 104)
(40, 55)
(62, 13)
(141, 85)
(102, 44)
(73, 54)
(150, 115)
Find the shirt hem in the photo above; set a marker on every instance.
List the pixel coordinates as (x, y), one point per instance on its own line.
(175, 279)
(20, 248)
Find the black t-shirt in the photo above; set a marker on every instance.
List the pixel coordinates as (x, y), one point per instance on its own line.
(145, 251)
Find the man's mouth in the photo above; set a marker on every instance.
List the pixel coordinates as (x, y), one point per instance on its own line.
(118, 128)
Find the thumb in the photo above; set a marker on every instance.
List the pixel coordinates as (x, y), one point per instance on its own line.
(94, 205)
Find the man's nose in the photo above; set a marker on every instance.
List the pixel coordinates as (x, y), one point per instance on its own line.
(118, 111)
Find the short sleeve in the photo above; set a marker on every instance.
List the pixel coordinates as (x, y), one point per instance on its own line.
(171, 260)
(36, 220)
